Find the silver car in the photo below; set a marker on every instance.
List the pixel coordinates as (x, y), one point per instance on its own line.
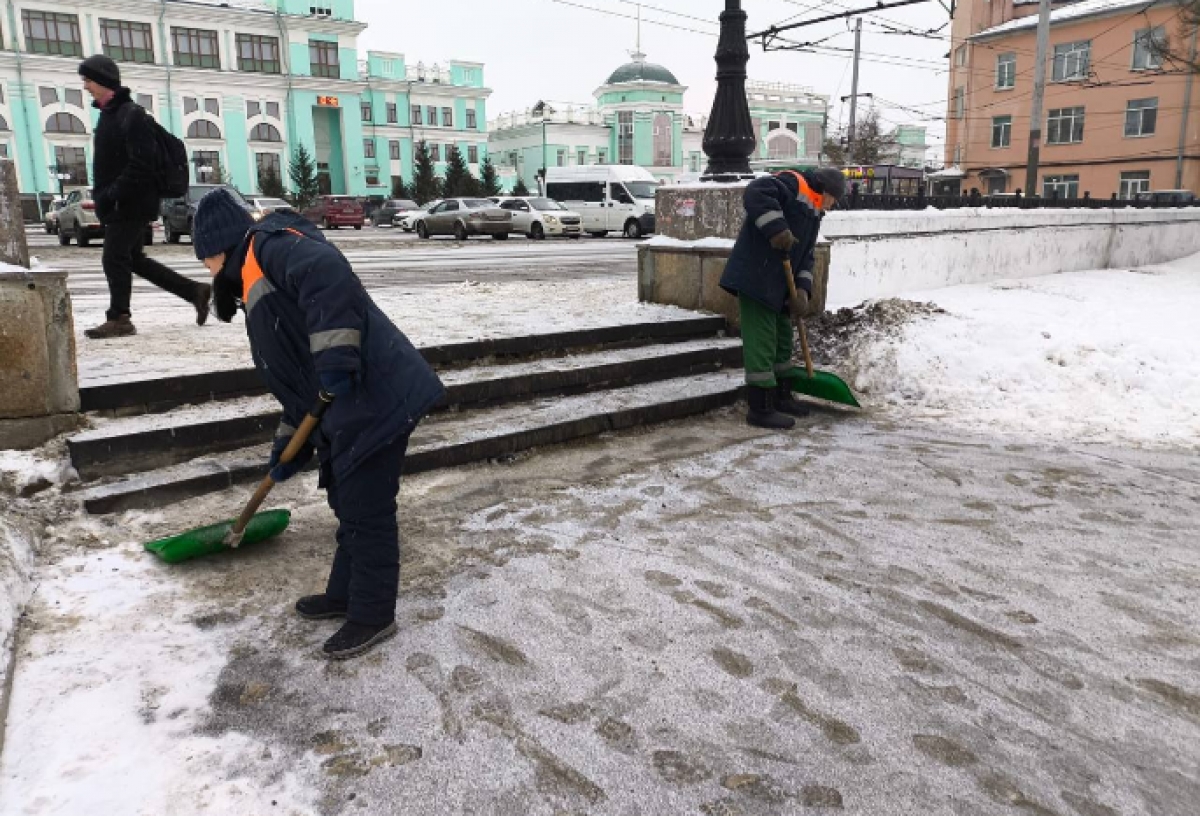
(539, 217)
(464, 217)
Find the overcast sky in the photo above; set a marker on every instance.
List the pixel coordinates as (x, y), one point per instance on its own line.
(564, 49)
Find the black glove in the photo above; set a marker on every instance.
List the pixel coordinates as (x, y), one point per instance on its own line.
(798, 305)
(283, 472)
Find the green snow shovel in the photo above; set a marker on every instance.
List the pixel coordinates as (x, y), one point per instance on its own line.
(819, 384)
(251, 526)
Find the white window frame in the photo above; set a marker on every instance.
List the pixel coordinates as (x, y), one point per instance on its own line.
(1072, 61)
(1067, 185)
(1006, 71)
(1004, 123)
(959, 102)
(1143, 53)
(1071, 118)
(1130, 187)
(1138, 114)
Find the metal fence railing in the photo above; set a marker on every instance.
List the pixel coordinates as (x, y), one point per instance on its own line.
(856, 200)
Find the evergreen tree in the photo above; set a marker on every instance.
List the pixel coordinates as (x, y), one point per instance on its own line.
(400, 189)
(489, 183)
(303, 171)
(426, 185)
(519, 189)
(270, 183)
(459, 181)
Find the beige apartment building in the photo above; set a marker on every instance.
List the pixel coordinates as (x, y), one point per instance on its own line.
(1116, 119)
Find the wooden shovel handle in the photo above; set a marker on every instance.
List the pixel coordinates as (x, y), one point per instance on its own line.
(299, 440)
(791, 285)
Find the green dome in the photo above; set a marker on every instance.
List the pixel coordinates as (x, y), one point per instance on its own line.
(641, 71)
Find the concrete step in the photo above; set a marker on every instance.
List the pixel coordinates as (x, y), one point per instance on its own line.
(153, 395)
(117, 447)
(449, 439)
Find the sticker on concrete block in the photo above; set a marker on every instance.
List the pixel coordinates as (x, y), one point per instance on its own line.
(686, 208)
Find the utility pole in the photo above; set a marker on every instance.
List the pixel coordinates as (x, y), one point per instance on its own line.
(1187, 109)
(1039, 91)
(854, 87)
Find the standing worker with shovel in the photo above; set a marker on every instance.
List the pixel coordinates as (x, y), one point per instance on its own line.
(314, 329)
(783, 218)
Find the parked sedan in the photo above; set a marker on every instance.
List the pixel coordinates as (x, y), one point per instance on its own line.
(333, 211)
(50, 221)
(77, 219)
(179, 213)
(407, 221)
(262, 207)
(386, 215)
(464, 217)
(539, 217)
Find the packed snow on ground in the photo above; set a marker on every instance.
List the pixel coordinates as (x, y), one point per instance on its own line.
(1087, 356)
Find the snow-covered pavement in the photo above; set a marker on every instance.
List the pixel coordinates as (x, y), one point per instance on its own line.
(978, 597)
(695, 619)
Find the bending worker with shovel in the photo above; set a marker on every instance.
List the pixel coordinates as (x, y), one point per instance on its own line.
(783, 217)
(314, 329)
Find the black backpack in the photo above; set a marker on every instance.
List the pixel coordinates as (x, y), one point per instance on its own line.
(171, 175)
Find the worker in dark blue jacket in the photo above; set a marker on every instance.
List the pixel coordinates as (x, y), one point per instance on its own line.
(783, 218)
(312, 326)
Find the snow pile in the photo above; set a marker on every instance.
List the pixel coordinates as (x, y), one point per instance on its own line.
(1106, 356)
(703, 243)
(24, 472)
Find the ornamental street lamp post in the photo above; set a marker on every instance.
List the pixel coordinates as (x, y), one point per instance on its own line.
(729, 138)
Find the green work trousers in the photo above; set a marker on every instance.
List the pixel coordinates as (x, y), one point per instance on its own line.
(767, 345)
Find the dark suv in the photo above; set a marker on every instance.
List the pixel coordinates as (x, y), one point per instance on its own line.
(177, 213)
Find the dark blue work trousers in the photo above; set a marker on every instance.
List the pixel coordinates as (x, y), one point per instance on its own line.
(366, 567)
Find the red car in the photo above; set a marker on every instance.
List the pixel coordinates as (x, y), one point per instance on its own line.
(333, 211)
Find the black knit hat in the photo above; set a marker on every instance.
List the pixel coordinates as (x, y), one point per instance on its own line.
(101, 70)
(220, 224)
(828, 180)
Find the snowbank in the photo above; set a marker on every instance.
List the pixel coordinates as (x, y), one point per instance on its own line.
(16, 566)
(1105, 356)
(704, 243)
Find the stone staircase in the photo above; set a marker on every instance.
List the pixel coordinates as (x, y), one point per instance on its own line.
(155, 442)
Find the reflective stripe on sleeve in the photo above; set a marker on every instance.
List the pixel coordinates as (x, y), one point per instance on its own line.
(323, 341)
(284, 430)
(767, 218)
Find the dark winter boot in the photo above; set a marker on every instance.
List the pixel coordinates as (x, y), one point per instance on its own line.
(319, 607)
(762, 413)
(354, 639)
(121, 327)
(786, 403)
(201, 303)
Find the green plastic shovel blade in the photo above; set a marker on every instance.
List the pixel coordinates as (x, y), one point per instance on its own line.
(826, 386)
(208, 540)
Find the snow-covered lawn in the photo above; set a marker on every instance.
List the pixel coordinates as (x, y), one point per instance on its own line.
(1103, 356)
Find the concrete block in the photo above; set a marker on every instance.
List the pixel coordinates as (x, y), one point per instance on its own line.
(677, 279)
(32, 432)
(37, 346)
(697, 211)
(712, 297)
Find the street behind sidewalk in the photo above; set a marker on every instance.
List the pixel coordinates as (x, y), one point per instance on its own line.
(700, 618)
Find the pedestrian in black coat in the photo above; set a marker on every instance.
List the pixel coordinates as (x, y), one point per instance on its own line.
(126, 197)
(313, 326)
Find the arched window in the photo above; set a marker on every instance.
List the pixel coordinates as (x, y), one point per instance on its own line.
(265, 133)
(783, 146)
(203, 129)
(664, 140)
(65, 123)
